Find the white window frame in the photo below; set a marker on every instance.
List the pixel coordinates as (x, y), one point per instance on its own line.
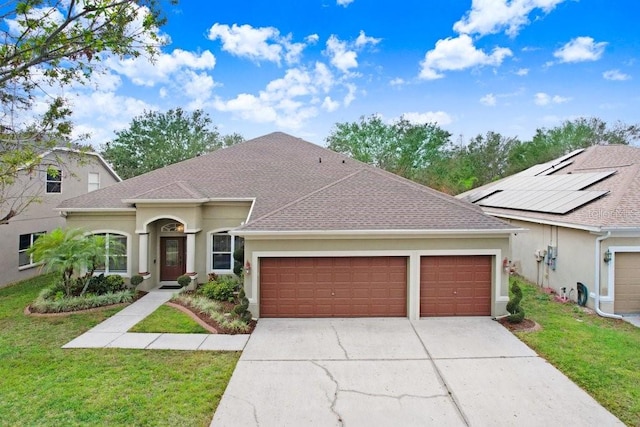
(93, 185)
(106, 270)
(210, 235)
(57, 180)
(31, 264)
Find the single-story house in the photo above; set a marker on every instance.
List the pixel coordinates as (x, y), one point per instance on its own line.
(323, 235)
(583, 213)
(77, 173)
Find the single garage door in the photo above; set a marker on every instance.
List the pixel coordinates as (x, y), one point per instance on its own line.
(455, 286)
(627, 282)
(333, 287)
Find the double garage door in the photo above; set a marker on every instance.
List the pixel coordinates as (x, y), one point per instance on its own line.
(373, 286)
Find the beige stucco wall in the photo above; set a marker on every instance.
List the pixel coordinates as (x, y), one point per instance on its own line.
(412, 248)
(575, 260)
(42, 216)
(201, 220)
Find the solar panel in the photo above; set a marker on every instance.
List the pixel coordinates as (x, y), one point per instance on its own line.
(547, 201)
(574, 181)
(552, 166)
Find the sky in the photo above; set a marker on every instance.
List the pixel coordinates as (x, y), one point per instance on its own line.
(301, 66)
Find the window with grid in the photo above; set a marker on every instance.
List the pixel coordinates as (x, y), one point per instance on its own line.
(223, 246)
(54, 181)
(94, 181)
(24, 243)
(115, 259)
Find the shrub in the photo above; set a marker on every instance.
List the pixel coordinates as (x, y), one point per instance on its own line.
(238, 260)
(184, 280)
(114, 283)
(513, 306)
(214, 310)
(43, 304)
(242, 309)
(136, 280)
(222, 290)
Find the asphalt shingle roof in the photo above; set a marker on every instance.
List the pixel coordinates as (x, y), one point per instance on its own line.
(297, 185)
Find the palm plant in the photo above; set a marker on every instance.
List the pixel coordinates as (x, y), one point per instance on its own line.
(68, 252)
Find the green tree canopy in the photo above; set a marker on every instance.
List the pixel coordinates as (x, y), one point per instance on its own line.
(402, 147)
(155, 139)
(48, 44)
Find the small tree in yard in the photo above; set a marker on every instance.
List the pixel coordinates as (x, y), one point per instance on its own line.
(68, 252)
(513, 306)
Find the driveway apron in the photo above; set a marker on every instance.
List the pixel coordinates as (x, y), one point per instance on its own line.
(395, 372)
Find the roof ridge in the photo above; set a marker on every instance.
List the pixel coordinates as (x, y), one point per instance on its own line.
(306, 196)
(186, 186)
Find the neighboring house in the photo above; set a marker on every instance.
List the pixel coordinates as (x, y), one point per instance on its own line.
(323, 235)
(583, 215)
(77, 174)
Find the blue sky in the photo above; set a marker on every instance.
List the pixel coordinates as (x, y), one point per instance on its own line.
(301, 66)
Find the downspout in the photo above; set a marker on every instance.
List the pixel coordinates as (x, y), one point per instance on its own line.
(599, 239)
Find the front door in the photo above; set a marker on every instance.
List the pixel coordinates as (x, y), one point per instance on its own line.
(172, 258)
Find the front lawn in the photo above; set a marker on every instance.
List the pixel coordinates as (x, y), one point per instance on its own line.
(600, 355)
(169, 320)
(42, 384)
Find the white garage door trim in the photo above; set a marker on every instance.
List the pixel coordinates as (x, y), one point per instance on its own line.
(611, 270)
(413, 281)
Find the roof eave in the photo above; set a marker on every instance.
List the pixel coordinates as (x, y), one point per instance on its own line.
(377, 233)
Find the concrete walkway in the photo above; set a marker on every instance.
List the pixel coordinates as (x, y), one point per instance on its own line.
(396, 372)
(112, 333)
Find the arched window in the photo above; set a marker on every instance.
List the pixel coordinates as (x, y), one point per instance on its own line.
(172, 227)
(223, 245)
(115, 259)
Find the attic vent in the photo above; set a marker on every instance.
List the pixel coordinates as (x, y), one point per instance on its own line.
(342, 160)
(320, 160)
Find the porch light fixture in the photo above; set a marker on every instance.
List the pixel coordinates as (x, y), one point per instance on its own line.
(247, 268)
(607, 256)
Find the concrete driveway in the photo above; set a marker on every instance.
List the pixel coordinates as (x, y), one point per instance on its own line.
(394, 372)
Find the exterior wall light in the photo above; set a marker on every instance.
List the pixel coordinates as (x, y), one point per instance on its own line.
(247, 268)
(607, 256)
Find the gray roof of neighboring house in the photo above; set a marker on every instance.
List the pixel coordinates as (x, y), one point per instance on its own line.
(605, 177)
(298, 186)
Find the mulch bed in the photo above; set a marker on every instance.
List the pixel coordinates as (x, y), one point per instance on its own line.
(527, 325)
(136, 297)
(211, 325)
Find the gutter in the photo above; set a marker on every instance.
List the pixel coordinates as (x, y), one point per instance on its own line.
(599, 240)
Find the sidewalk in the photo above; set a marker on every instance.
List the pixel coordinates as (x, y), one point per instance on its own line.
(112, 333)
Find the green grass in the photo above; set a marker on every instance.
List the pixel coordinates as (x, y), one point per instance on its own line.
(169, 320)
(42, 384)
(600, 355)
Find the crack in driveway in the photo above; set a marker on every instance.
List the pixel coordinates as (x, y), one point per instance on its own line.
(344, 350)
(335, 394)
(396, 397)
(255, 410)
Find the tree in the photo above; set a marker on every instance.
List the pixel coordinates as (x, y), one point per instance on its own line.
(548, 144)
(53, 43)
(69, 251)
(402, 147)
(155, 139)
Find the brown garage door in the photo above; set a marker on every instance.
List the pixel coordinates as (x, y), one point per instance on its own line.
(333, 287)
(455, 286)
(627, 283)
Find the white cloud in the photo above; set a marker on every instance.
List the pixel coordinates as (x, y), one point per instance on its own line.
(340, 55)
(257, 44)
(286, 102)
(580, 49)
(344, 3)
(543, 99)
(397, 82)
(439, 117)
(457, 54)
(330, 105)
(522, 72)
(364, 40)
(312, 38)
(615, 75)
(494, 16)
(351, 94)
(144, 73)
(488, 100)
